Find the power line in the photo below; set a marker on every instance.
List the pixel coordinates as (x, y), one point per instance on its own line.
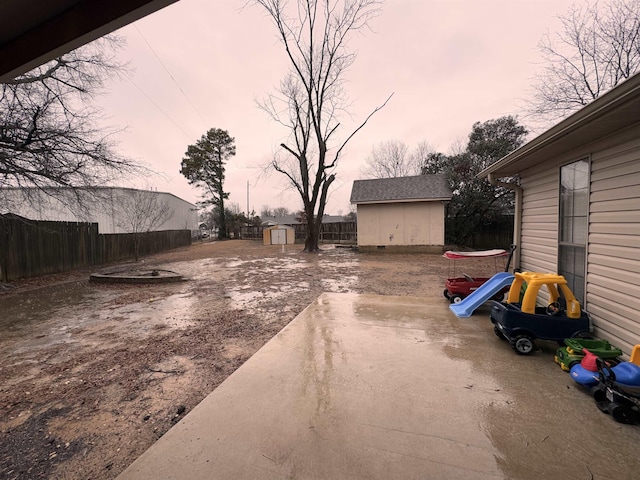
(171, 76)
(161, 110)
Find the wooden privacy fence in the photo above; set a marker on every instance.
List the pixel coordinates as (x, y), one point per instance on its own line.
(31, 248)
(339, 232)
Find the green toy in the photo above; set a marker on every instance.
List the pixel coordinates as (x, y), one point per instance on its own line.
(572, 354)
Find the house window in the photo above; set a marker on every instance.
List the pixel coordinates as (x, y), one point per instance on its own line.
(574, 210)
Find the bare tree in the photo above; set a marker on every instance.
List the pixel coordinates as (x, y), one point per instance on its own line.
(140, 212)
(266, 211)
(48, 135)
(597, 47)
(315, 35)
(388, 159)
(281, 212)
(392, 159)
(420, 155)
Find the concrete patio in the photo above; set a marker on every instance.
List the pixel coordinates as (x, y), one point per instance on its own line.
(378, 387)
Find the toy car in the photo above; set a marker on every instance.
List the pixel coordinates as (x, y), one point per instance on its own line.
(572, 353)
(617, 388)
(458, 288)
(520, 321)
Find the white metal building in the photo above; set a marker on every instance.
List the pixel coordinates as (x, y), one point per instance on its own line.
(101, 205)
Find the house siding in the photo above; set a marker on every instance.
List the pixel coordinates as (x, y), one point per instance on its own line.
(613, 257)
(613, 250)
(539, 249)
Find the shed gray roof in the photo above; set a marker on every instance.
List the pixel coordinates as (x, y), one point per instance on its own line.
(419, 188)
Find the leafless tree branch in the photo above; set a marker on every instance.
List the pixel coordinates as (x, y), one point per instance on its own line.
(597, 47)
(48, 131)
(315, 35)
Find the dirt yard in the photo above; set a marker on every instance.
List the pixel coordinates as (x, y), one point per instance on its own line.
(92, 374)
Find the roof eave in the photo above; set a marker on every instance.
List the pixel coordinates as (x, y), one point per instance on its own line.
(401, 200)
(607, 103)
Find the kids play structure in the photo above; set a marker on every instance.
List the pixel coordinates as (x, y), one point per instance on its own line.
(467, 293)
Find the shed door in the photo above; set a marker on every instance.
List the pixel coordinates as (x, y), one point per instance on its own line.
(278, 237)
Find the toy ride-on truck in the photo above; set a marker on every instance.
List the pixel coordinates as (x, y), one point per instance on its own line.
(521, 322)
(573, 352)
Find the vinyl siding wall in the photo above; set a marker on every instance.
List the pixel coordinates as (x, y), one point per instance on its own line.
(613, 257)
(539, 249)
(613, 250)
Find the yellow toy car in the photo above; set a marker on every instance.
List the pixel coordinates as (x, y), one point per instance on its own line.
(521, 321)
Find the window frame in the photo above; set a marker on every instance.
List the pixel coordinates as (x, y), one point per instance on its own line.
(571, 244)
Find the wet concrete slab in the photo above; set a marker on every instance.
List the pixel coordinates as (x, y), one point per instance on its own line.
(382, 387)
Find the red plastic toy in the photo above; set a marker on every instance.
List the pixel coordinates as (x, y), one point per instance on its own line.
(457, 288)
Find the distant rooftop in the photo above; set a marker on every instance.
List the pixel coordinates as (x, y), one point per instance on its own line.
(293, 220)
(401, 189)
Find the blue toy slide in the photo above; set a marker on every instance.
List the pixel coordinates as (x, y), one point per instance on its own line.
(485, 292)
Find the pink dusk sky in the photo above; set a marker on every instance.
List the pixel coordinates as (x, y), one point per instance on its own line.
(200, 64)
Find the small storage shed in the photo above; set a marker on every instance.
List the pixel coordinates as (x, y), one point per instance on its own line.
(279, 235)
(401, 214)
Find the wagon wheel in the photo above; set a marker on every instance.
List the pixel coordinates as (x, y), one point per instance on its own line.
(456, 298)
(446, 294)
(523, 344)
(498, 333)
(499, 297)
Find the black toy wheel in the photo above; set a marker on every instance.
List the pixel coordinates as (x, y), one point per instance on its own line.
(446, 294)
(498, 333)
(583, 335)
(623, 413)
(571, 364)
(598, 392)
(455, 298)
(523, 344)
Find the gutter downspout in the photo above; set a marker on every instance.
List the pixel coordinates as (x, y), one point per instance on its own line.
(517, 218)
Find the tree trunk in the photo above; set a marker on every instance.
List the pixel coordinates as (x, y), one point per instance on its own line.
(136, 246)
(222, 220)
(311, 242)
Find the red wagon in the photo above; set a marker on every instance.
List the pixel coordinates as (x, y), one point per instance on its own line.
(457, 288)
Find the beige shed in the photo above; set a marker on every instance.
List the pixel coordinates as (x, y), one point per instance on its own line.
(401, 214)
(279, 235)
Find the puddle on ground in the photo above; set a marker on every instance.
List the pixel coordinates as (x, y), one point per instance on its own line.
(35, 309)
(247, 298)
(342, 285)
(52, 314)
